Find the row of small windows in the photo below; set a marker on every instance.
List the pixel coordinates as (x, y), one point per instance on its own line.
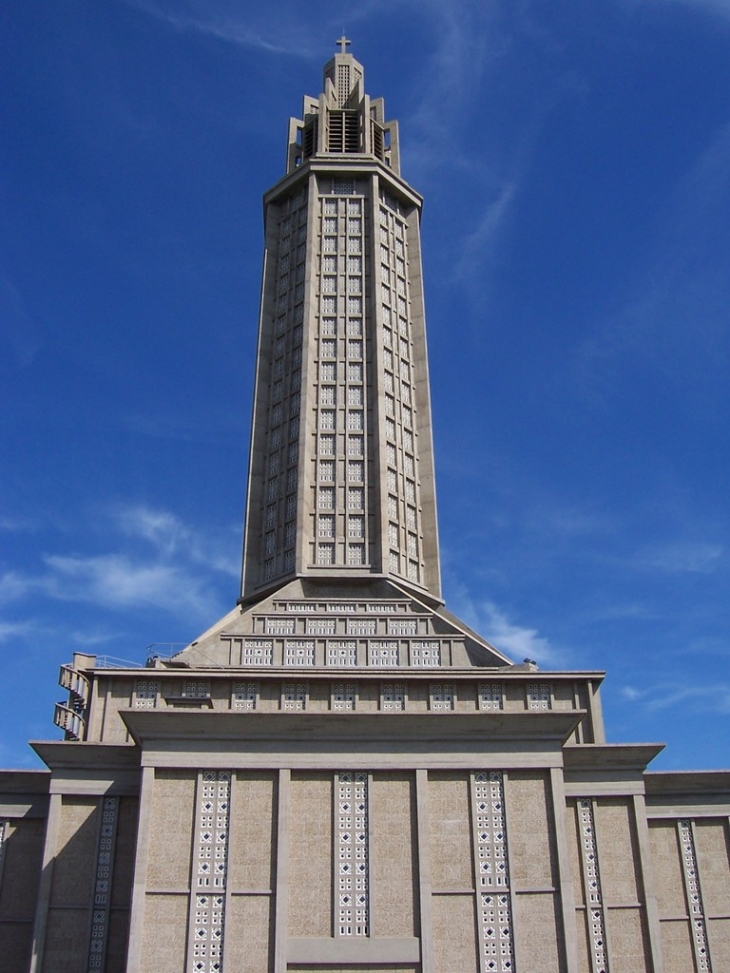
(353, 207)
(328, 327)
(355, 498)
(353, 346)
(353, 305)
(353, 264)
(353, 227)
(246, 695)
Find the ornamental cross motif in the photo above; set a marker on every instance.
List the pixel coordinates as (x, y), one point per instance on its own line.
(344, 43)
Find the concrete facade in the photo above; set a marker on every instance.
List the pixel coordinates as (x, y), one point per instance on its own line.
(339, 775)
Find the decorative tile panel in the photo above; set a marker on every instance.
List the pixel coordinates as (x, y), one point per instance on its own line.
(538, 695)
(245, 695)
(591, 878)
(103, 885)
(352, 909)
(146, 692)
(494, 909)
(694, 896)
(210, 868)
(491, 696)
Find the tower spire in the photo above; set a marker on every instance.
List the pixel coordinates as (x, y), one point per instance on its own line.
(341, 482)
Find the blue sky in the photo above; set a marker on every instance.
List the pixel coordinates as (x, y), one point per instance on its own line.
(575, 162)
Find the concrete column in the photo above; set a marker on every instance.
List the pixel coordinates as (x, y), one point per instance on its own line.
(647, 881)
(281, 891)
(565, 877)
(44, 888)
(423, 824)
(136, 917)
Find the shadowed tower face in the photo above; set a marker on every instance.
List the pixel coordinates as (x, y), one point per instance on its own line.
(341, 480)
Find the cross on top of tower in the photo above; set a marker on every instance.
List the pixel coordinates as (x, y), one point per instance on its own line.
(344, 43)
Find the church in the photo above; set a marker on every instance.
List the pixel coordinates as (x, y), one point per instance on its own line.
(339, 775)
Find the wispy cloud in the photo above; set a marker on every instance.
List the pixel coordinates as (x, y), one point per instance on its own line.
(172, 538)
(687, 557)
(12, 630)
(714, 697)
(176, 572)
(516, 641)
(232, 23)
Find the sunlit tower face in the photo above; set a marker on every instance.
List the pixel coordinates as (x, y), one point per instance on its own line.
(341, 481)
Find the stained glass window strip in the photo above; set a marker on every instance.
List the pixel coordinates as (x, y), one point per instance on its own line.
(592, 882)
(103, 885)
(491, 696)
(343, 696)
(694, 896)
(146, 692)
(210, 866)
(245, 695)
(393, 697)
(492, 875)
(294, 696)
(351, 854)
(538, 695)
(441, 697)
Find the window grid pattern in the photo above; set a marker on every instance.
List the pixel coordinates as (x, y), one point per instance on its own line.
(425, 654)
(383, 653)
(491, 696)
(245, 696)
(441, 697)
(196, 689)
(398, 367)
(393, 697)
(210, 866)
(342, 654)
(351, 855)
(103, 885)
(341, 285)
(294, 697)
(694, 896)
(538, 695)
(492, 875)
(258, 652)
(344, 695)
(285, 375)
(299, 653)
(146, 692)
(592, 882)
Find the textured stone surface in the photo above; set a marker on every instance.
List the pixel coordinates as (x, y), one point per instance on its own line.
(66, 946)
(454, 934)
(529, 832)
(718, 934)
(393, 876)
(73, 870)
(618, 851)
(23, 855)
(310, 851)
(452, 864)
(667, 866)
(711, 850)
(171, 829)
(628, 941)
(124, 852)
(249, 945)
(163, 934)
(251, 852)
(677, 947)
(537, 943)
